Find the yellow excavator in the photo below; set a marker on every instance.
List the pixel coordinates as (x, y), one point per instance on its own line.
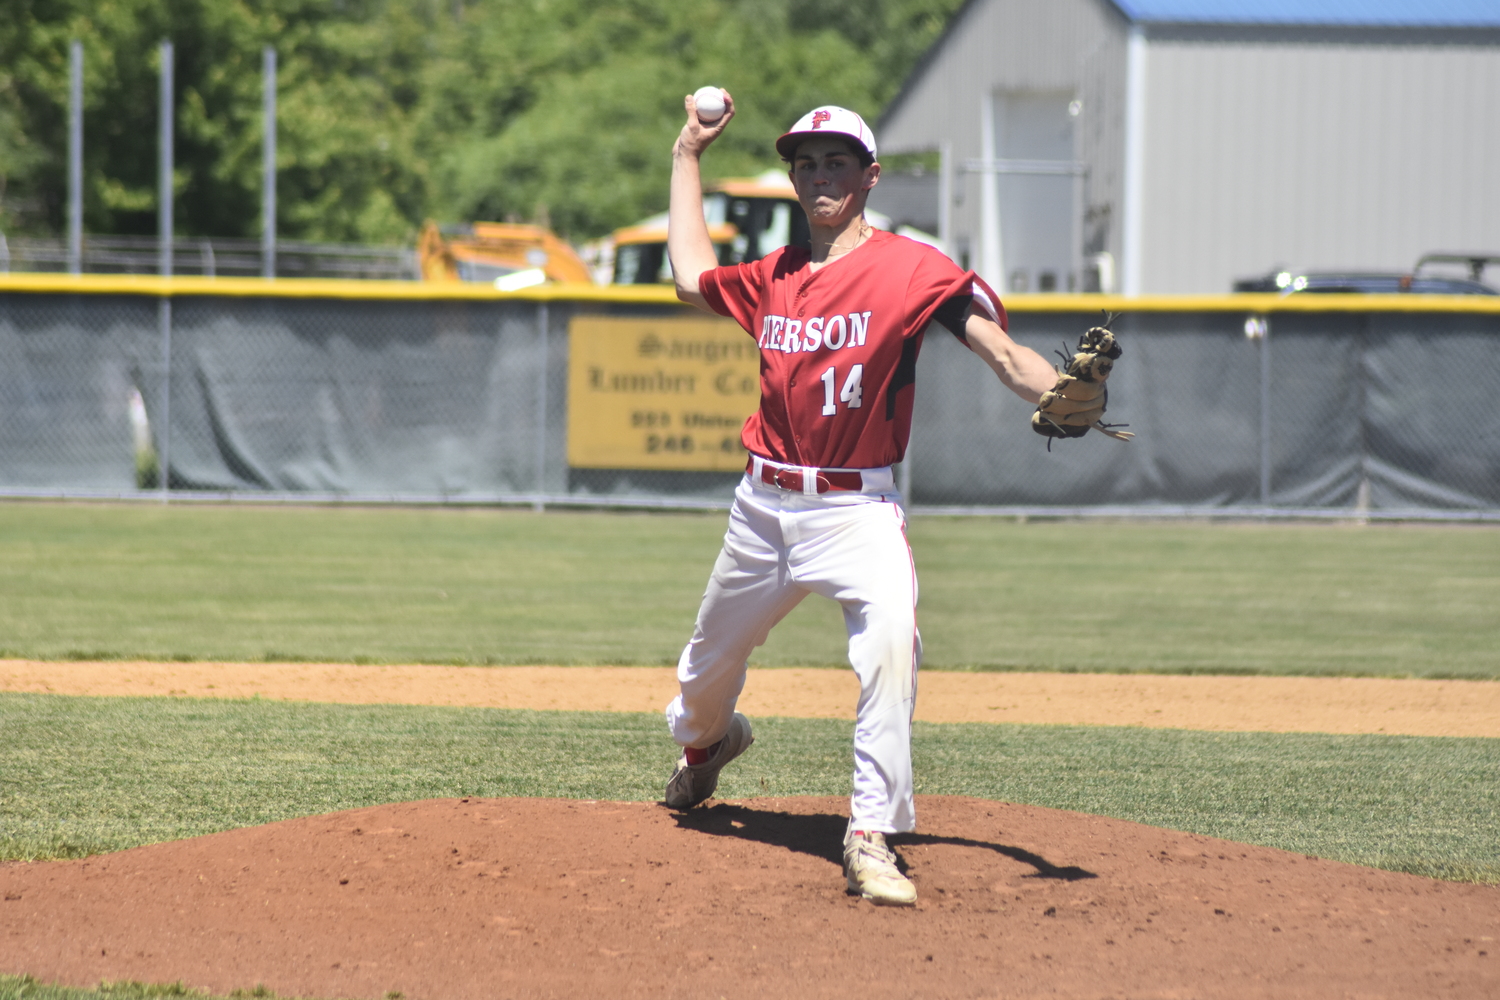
(508, 255)
(748, 217)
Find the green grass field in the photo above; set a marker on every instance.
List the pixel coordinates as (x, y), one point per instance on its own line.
(491, 586)
(84, 775)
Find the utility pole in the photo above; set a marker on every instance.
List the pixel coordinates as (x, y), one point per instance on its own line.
(75, 157)
(268, 164)
(164, 241)
(164, 165)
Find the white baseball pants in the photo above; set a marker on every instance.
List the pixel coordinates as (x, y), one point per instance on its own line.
(780, 547)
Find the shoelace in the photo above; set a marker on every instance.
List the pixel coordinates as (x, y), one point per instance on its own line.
(876, 851)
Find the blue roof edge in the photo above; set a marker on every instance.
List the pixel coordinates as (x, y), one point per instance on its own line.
(1320, 13)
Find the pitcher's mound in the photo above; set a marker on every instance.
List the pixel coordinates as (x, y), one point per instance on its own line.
(503, 898)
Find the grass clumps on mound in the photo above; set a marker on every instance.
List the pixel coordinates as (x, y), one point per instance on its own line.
(28, 988)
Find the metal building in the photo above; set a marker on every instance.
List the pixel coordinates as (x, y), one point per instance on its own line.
(1172, 146)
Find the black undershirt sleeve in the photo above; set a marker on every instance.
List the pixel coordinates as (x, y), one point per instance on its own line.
(905, 375)
(952, 313)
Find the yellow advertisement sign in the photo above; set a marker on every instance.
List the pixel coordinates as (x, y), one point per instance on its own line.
(669, 393)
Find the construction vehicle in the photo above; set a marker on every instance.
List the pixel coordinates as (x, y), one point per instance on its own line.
(506, 254)
(747, 218)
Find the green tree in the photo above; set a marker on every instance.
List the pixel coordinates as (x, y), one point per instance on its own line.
(570, 108)
(347, 171)
(391, 111)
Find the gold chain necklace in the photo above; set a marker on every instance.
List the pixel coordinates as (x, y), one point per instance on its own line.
(859, 237)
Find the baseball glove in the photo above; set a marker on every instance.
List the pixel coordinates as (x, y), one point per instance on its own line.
(1075, 405)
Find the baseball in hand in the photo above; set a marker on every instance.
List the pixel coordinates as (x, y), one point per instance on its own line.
(710, 104)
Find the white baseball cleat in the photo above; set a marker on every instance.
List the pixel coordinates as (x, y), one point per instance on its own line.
(871, 869)
(690, 784)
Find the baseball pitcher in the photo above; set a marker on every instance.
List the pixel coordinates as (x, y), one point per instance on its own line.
(839, 325)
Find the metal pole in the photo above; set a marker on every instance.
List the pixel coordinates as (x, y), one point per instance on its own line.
(945, 200)
(75, 157)
(164, 165)
(268, 164)
(1265, 412)
(903, 476)
(991, 257)
(164, 244)
(1075, 269)
(1362, 385)
(1132, 239)
(164, 463)
(543, 320)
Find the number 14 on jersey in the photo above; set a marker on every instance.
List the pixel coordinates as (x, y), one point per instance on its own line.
(852, 394)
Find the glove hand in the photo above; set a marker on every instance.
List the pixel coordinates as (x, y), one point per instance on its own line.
(1075, 404)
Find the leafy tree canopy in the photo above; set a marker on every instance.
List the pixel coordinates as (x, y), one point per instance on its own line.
(391, 111)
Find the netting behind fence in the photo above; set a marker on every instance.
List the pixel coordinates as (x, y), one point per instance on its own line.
(355, 397)
(467, 400)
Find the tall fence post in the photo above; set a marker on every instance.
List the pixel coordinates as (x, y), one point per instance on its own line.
(543, 321)
(164, 157)
(1265, 417)
(75, 157)
(164, 240)
(1258, 328)
(1362, 384)
(164, 324)
(268, 164)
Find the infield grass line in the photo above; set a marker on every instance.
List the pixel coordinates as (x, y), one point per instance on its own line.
(29, 988)
(485, 586)
(88, 775)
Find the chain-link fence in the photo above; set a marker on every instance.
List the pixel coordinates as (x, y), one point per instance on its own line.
(274, 396)
(210, 257)
(1314, 411)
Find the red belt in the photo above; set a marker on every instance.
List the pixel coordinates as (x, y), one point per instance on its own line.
(792, 479)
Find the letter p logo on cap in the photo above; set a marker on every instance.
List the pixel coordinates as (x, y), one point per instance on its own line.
(827, 120)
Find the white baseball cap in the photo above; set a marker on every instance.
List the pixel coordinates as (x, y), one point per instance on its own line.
(827, 120)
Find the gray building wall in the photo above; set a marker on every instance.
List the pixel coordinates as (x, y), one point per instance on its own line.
(1304, 147)
(1020, 46)
(1352, 153)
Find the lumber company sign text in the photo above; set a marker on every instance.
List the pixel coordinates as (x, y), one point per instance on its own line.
(668, 393)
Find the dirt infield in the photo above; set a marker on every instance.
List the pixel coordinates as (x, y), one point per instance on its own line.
(1264, 704)
(538, 898)
(447, 899)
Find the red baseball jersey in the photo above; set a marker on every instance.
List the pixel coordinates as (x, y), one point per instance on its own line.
(838, 347)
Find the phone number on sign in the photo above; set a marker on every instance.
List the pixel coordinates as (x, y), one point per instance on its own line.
(686, 444)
